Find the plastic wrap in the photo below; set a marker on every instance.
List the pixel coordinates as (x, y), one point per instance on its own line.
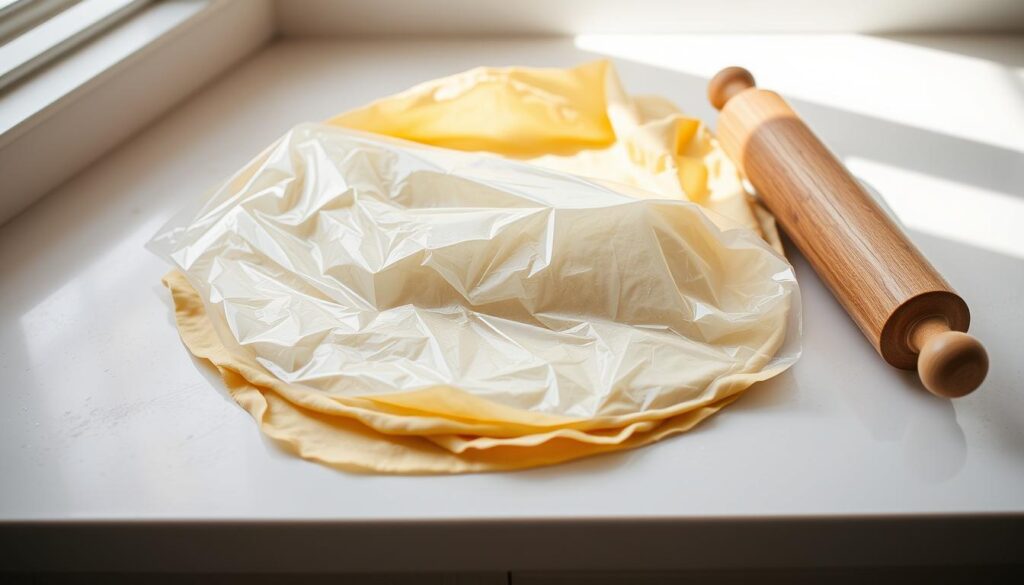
(349, 265)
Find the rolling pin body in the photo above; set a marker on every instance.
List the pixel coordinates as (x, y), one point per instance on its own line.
(900, 302)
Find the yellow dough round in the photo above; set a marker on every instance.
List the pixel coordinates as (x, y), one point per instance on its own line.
(468, 312)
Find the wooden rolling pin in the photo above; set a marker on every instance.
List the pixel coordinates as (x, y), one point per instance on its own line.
(900, 302)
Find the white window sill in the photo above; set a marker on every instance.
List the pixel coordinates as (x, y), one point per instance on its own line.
(27, 102)
(56, 122)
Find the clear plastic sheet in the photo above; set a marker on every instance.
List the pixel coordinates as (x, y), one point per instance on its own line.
(353, 265)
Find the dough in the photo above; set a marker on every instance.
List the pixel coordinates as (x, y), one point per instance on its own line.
(478, 311)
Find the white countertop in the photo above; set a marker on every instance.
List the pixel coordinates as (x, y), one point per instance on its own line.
(105, 416)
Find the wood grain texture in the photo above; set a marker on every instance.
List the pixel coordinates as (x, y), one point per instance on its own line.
(886, 285)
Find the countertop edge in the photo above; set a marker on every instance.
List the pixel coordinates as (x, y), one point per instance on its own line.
(650, 544)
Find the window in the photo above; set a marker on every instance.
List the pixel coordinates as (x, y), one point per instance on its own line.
(34, 32)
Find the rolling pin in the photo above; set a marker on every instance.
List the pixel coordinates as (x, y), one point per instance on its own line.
(905, 308)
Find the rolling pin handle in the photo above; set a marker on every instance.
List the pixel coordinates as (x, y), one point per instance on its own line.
(950, 363)
(727, 83)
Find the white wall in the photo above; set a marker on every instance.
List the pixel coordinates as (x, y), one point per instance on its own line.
(468, 17)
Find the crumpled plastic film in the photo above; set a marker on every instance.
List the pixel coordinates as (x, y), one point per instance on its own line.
(577, 120)
(384, 305)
